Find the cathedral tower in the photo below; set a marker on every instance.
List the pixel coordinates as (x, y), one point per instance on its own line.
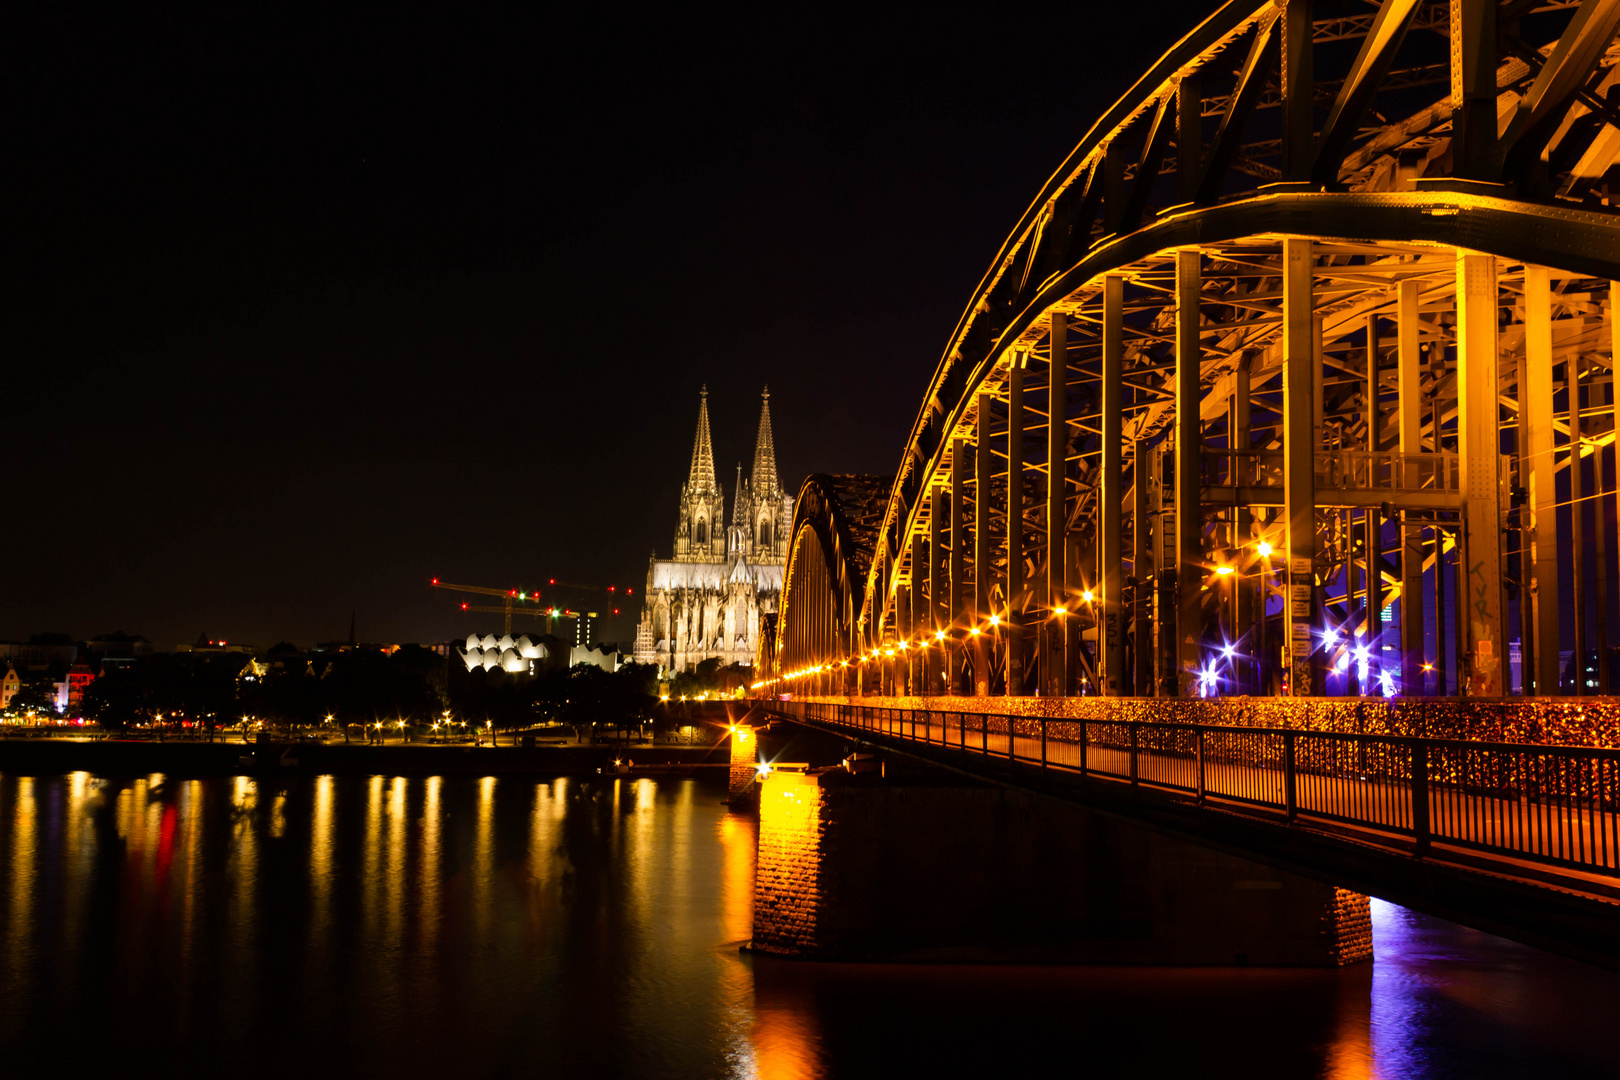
(701, 535)
(770, 509)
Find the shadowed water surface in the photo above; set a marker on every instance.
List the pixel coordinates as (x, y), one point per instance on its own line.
(394, 926)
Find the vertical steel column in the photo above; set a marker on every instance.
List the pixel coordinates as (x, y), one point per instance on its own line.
(1540, 455)
(1054, 666)
(1299, 460)
(1473, 88)
(1015, 524)
(1373, 526)
(902, 629)
(1111, 589)
(1189, 478)
(939, 611)
(1142, 571)
(1479, 447)
(1243, 583)
(1298, 92)
(1525, 538)
(958, 587)
(1614, 412)
(983, 562)
(1577, 515)
(1189, 135)
(1600, 543)
(1409, 421)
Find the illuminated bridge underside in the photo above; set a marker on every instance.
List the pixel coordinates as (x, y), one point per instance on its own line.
(1349, 336)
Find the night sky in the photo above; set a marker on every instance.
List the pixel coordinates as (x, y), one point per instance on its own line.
(315, 304)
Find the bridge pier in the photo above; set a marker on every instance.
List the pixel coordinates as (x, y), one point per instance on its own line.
(912, 862)
(744, 761)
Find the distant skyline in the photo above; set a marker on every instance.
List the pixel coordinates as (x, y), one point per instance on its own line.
(315, 305)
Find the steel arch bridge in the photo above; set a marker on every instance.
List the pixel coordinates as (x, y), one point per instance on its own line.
(1275, 387)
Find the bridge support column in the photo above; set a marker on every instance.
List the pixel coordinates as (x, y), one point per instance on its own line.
(1190, 569)
(1300, 379)
(983, 562)
(1479, 448)
(1142, 570)
(854, 866)
(1111, 586)
(902, 626)
(957, 590)
(1409, 412)
(744, 761)
(1015, 524)
(1539, 454)
(1054, 659)
(938, 656)
(1247, 632)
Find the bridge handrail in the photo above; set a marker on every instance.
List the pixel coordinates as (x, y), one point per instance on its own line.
(1550, 804)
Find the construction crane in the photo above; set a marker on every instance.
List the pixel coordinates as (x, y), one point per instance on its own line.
(511, 599)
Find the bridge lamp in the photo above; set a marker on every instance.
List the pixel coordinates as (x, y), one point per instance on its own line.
(974, 630)
(1224, 571)
(995, 620)
(1086, 596)
(1264, 549)
(939, 635)
(1060, 611)
(903, 646)
(888, 652)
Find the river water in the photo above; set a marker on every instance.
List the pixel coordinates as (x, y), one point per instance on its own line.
(466, 927)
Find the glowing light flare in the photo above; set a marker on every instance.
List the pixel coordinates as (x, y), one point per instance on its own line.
(1264, 549)
(1223, 571)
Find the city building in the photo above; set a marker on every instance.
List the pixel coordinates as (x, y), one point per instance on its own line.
(10, 687)
(79, 678)
(707, 601)
(605, 657)
(117, 650)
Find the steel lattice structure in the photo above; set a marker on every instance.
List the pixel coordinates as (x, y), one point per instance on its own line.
(1353, 332)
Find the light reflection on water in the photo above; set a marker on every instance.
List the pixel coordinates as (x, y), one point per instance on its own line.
(409, 926)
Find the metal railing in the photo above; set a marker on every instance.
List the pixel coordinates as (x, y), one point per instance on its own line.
(1336, 469)
(1550, 804)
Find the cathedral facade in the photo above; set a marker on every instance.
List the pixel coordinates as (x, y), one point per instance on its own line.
(707, 601)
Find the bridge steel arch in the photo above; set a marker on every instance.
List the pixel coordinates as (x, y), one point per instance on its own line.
(835, 520)
(1277, 383)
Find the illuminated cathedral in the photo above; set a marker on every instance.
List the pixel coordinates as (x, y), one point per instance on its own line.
(709, 599)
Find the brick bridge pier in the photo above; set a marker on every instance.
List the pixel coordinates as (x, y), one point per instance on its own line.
(888, 857)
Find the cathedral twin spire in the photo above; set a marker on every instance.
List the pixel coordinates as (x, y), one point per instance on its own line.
(763, 482)
(702, 480)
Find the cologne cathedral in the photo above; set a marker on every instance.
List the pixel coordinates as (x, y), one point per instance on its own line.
(710, 598)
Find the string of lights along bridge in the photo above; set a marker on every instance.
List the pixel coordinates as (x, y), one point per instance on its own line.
(516, 602)
(1295, 378)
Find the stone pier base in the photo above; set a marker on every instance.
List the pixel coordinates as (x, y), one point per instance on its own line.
(744, 762)
(859, 867)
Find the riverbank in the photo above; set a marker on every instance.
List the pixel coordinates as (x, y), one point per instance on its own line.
(188, 758)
